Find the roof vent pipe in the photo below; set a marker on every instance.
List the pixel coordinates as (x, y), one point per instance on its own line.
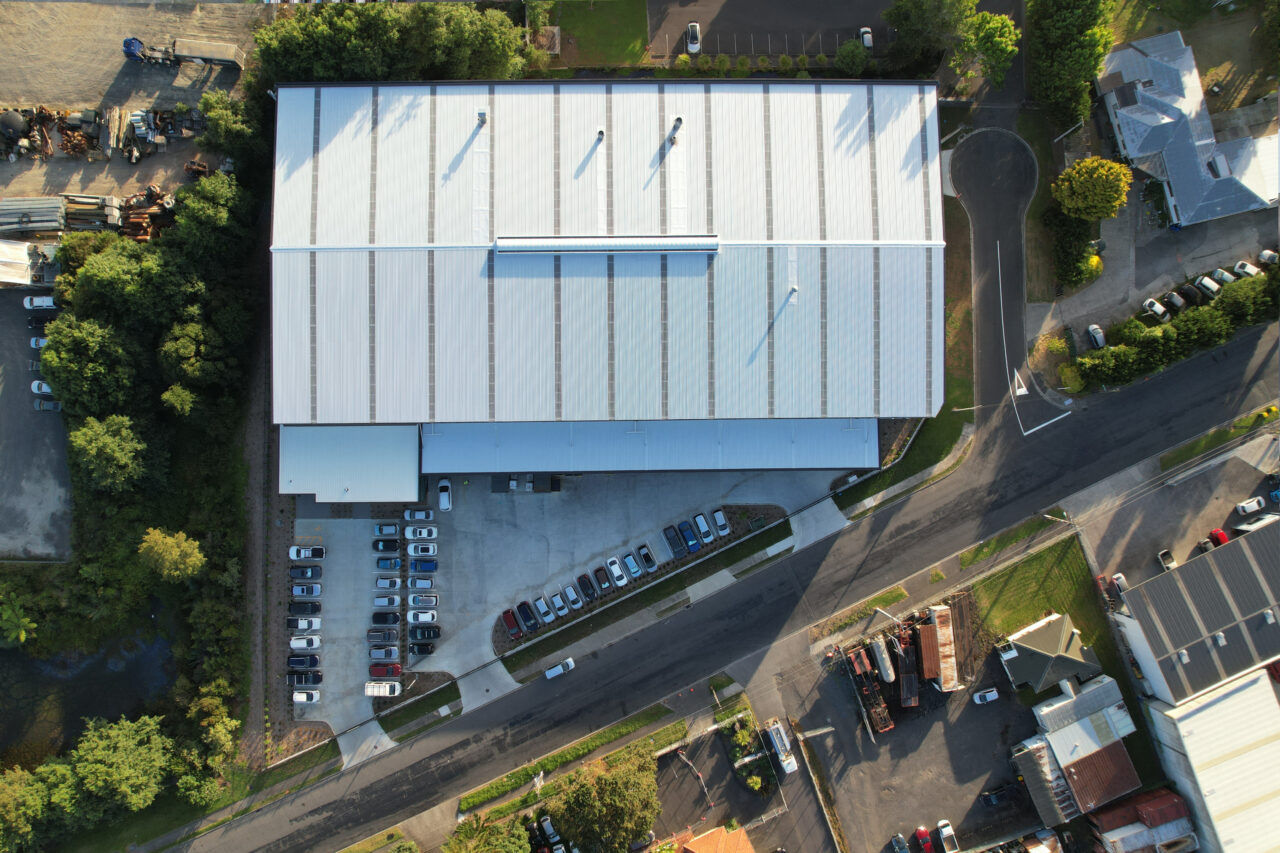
(1183, 656)
(482, 116)
(600, 135)
(1220, 638)
(1269, 617)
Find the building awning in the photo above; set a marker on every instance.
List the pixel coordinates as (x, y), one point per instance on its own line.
(346, 464)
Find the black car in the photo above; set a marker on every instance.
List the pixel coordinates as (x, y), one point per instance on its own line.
(586, 587)
(1192, 294)
(530, 622)
(386, 544)
(676, 541)
(382, 635)
(1173, 302)
(36, 323)
(602, 579)
(424, 632)
(646, 558)
(309, 678)
(304, 608)
(1000, 796)
(305, 573)
(422, 648)
(386, 618)
(303, 661)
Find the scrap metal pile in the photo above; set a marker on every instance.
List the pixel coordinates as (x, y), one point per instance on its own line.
(93, 135)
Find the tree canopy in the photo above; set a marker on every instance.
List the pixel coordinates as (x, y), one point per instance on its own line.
(927, 28)
(1067, 41)
(87, 365)
(1093, 188)
(991, 41)
(608, 807)
(106, 453)
(124, 762)
(174, 556)
(851, 58)
(481, 834)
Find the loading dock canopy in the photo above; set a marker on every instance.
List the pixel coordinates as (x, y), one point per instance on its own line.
(346, 464)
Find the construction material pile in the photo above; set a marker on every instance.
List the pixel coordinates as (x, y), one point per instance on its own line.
(31, 215)
(92, 212)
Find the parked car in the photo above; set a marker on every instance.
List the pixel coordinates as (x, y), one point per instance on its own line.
(422, 583)
(544, 610)
(1244, 269)
(385, 617)
(1192, 294)
(704, 529)
(386, 529)
(38, 303)
(305, 590)
(982, 697)
(294, 623)
(444, 491)
(420, 533)
(422, 566)
(1165, 558)
(303, 661)
(615, 572)
(1250, 506)
(419, 599)
(1266, 256)
(558, 605)
(422, 648)
(527, 620)
(384, 670)
(999, 796)
(1121, 584)
(304, 608)
(571, 596)
(386, 545)
(561, 668)
(304, 644)
(37, 324)
(947, 836)
(675, 542)
(509, 621)
(899, 844)
(586, 587)
(629, 560)
(386, 601)
(39, 386)
(864, 36)
(1218, 536)
(305, 573)
(421, 617)
(721, 523)
(384, 653)
(39, 342)
(548, 829)
(1208, 287)
(306, 678)
(1205, 546)
(690, 538)
(693, 38)
(924, 839)
(1157, 310)
(642, 843)
(602, 579)
(382, 582)
(1221, 276)
(382, 635)
(424, 632)
(306, 697)
(646, 558)
(416, 514)
(1096, 337)
(304, 552)
(422, 549)
(48, 406)
(389, 564)
(1173, 301)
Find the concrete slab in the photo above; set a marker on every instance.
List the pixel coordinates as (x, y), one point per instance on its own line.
(483, 685)
(708, 586)
(362, 743)
(816, 523)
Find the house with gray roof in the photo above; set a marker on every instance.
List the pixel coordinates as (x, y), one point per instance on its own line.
(1152, 93)
(1047, 652)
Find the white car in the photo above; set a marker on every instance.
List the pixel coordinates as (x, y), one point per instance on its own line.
(1208, 286)
(304, 644)
(423, 600)
(386, 601)
(384, 653)
(422, 617)
(39, 387)
(386, 583)
(305, 590)
(422, 549)
(299, 552)
(544, 612)
(39, 343)
(722, 523)
(558, 605)
(1250, 506)
(693, 38)
(445, 491)
(1157, 310)
(421, 583)
(571, 596)
(1266, 256)
(864, 36)
(615, 571)
(304, 623)
(420, 533)
(984, 696)
(1221, 276)
(38, 303)
(1244, 269)
(306, 697)
(415, 514)
(1096, 336)
(385, 529)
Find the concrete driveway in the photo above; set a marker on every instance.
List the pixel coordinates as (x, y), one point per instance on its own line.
(35, 496)
(762, 27)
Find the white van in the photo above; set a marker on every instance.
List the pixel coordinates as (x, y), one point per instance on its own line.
(382, 688)
(38, 303)
(781, 744)
(560, 668)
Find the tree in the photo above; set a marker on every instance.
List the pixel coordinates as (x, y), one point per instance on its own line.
(23, 801)
(76, 247)
(106, 453)
(927, 28)
(229, 127)
(991, 41)
(181, 400)
(330, 42)
(606, 808)
(851, 58)
(87, 363)
(1066, 43)
(124, 762)
(208, 224)
(1093, 188)
(173, 555)
(483, 834)
(15, 626)
(456, 41)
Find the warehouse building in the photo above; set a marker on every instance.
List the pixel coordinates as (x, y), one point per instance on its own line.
(574, 277)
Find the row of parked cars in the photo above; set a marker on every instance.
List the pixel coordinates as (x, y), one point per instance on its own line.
(41, 389)
(303, 672)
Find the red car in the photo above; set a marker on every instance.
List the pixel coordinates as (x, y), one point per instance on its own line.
(926, 842)
(1218, 536)
(384, 670)
(509, 619)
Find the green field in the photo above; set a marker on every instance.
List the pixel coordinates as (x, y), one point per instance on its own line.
(604, 32)
(1005, 539)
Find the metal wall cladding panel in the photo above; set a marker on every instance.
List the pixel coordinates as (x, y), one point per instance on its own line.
(637, 332)
(295, 122)
(686, 163)
(524, 160)
(1264, 546)
(584, 162)
(462, 165)
(1165, 597)
(938, 340)
(930, 97)
(1238, 578)
(1204, 593)
(737, 161)
(342, 337)
(291, 337)
(404, 174)
(797, 333)
(584, 337)
(342, 193)
(402, 360)
(793, 132)
(462, 335)
(850, 333)
(903, 342)
(899, 169)
(846, 162)
(741, 334)
(687, 355)
(637, 138)
(524, 338)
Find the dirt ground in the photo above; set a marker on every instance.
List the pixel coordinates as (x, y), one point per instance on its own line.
(69, 56)
(63, 174)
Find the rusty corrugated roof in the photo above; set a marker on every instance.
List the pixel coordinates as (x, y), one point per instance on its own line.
(929, 663)
(1101, 776)
(720, 840)
(1151, 808)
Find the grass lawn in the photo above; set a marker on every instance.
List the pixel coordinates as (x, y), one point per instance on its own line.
(651, 594)
(419, 707)
(375, 842)
(603, 32)
(1034, 128)
(1004, 539)
(938, 435)
(861, 611)
(1216, 438)
(732, 707)
(719, 682)
(1057, 579)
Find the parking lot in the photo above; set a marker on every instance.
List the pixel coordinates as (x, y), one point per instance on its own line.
(35, 497)
(760, 27)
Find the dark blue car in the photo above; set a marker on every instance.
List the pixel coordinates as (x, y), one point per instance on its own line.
(422, 565)
(690, 538)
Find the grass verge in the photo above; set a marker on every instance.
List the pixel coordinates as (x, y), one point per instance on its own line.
(604, 32)
(418, 708)
(732, 707)
(1216, 438)
(573, 752)
(719, 682)
(937, 576)
(824, 794)
(649, 595)
(857, 613)
(1057, 578)
(375, 842)
(1034, 128)
(1004, 539)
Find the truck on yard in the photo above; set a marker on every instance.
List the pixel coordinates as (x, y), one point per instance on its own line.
(947, 836)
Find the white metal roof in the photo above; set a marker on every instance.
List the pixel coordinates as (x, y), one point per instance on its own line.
(350, 464)
(726, 250)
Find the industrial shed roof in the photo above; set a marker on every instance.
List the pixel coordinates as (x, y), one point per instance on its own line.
(630, 251)
(350, 464)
